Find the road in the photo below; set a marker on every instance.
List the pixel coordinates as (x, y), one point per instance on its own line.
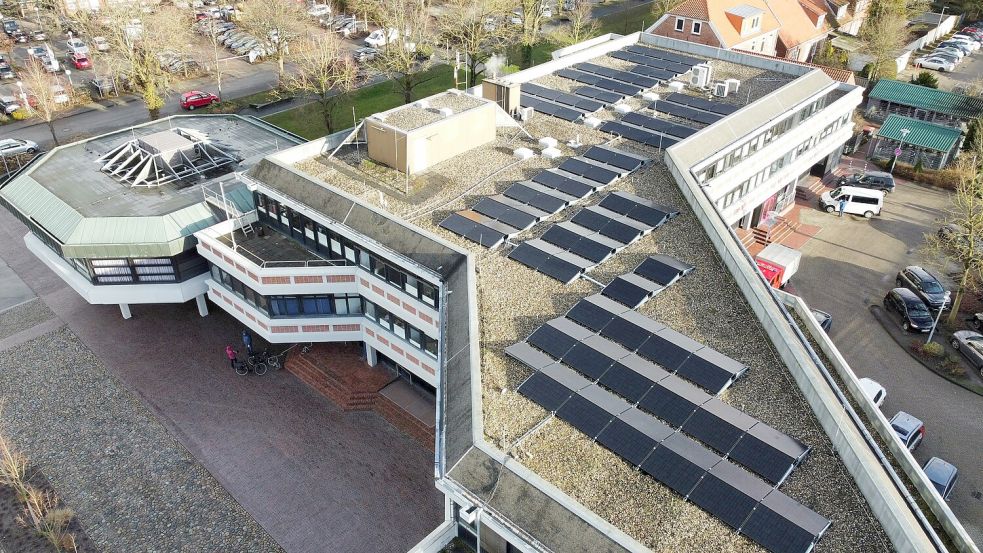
(851, 264)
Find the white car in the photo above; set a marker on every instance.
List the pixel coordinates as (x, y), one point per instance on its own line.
(76, 46)
(100, 43)
(319, 10)
(956, 52)
(874, 391)
(936, 63)
(58, 94)
(14, 146)
(380, 37)
(973, 44)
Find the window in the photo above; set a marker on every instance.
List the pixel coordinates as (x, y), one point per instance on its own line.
(285, 306)
(680, 24)
(755, 22)
(696, 27)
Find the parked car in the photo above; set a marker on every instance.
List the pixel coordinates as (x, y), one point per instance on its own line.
(80, 61)
(824, 319)
(319, 10)
(102, 85)
(966, 49)
(935, 62)
(380, 37)
(947, 57)
(910, 310)
(59, 95)
(14, 146)
(970, 345)
(9, 104)
(76, 46)
(39, 35)
(7, 72)
(859, 201)
(874, 391)
(973, 43)
(876, 180)
(942, 475)
(196, 99)
(909, 429)
(365, 54)
(951, 50)
(19, 36)
(923, 284)
(10, 25)
(100, 44)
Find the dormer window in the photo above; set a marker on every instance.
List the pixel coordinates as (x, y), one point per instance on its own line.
(755, 23)
(680, 24)
(697, 26)
(746, 19)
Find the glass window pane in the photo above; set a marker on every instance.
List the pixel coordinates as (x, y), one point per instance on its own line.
(350, 253)
(341, 306)
(324, 305)
(369, 309)
(355, 305)
(415, 337)
(310, 305)
(292, 305)
(399, 327)
(335, 246)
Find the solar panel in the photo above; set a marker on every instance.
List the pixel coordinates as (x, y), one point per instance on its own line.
(550, 108)
(587, 360)
(729, 493)
(552, 341)
(626, 333)
(664, 352)
(589, 170)
(539, 200)
(633, 208)
(501, 212)
(598, 81)
(686, 112)
(718, 425)
(663, 269)
(640, 81)
(625, 292)
(545, 391)
(561, 237)
(626, 382)
(679, 463)
(626, 442)
(460, 225)
(673, 401)
(701, 103)
(563, 98)
(606, 226)
(537, 213)
(650, 62)
(584, 415)
(782, 525)
(768, 452)
(529, 356)
(664, 55)
(566, 377)
(658, 125)
(648, 70)
(561, 270)
(556, 181)
(598, 94)
(615, 159)
(590, 315)
(711, 369)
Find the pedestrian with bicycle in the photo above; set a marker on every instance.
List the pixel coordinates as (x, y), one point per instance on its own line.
(230, 352)
(247, 340)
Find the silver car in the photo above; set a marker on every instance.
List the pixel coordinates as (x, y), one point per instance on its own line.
(970, 344)
(14, 146)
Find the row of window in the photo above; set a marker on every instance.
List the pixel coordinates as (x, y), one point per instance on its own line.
(695, 29)
(749, 147)
(321, 305)
(336, 247)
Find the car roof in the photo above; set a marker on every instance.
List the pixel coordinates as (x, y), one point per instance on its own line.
(906, 421)
(920, 272)
(878, 174)
(862, 191)
(906, 295)
(936, 466)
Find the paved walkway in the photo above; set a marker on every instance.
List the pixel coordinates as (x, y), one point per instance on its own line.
(316, 478)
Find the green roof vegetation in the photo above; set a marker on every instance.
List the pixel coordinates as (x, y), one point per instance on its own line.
(929, 99)
(920, 133)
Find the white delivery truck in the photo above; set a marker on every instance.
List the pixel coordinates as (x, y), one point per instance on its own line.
(778, 263)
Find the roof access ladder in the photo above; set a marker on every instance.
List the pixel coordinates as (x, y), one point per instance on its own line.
(219, 200)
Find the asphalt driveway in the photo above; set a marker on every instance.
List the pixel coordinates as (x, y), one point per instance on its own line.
(851, 264)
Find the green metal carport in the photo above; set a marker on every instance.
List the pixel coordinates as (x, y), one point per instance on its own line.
(934, 145)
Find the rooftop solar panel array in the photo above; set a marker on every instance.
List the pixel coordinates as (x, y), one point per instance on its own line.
(598, 81)
(598, 94)
(550, 108)
(640, 81)
(650, 62)
(658, 125)
(461, 225)
(635, 288)
(643, 136)
(696, 102)
(664, 55)
(685, 112)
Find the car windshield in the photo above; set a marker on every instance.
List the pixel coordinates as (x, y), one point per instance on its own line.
(932, 287)
(916, 308)
(901, 430)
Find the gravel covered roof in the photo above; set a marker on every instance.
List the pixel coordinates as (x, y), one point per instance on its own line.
(411, 116)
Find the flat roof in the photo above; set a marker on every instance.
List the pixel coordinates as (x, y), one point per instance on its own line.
(514, 300)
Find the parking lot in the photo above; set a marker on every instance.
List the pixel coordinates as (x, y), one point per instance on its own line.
(851, 264)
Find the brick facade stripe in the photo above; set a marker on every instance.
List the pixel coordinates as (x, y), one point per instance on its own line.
(252, 276)
(412, 359)
(262, 325)
(276, 280)
(316, 328)
(283, 329)
(239, 308)
(382, 340)
(409, 308)
(364, 282)
(347, 328)
(251, 316)
(426, 318)
(227, 300)
(397, 349)
(205, 246)
(393, 298)
(228, 259)
(370, 332)
(378, 290)
(341, 278)
(308, 279)
(428, 368)
(241, 268)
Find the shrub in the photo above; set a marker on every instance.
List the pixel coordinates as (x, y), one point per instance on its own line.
(19, 115)
(13, 468)
(933, 349)
(42, 513)
(926, 79)
(953, 367)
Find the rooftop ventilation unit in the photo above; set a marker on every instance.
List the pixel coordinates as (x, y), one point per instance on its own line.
(525, 114)
(551, 153)
(622, 108)
(650, 96)
(163, 157)
(733, 85)
(422, 104)
(720, 89)
(676, 86)
(523, 153)
(445, 112)
(547, 142)
(592, 122)
(701, 76)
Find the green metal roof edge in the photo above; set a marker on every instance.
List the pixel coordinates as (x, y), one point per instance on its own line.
(930, 99)
(923, 134)
(43, 206)
(150, 249)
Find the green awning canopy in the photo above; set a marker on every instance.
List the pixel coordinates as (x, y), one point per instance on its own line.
(928, 99)
(920, 133)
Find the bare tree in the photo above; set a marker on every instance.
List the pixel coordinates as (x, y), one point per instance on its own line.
(582, 24)
(961, 243)
(137, 40)
(408, 53)
(531, 15)
(278, 23)
(662, 7)
(325, 71)
(477, 29)
(47, 98)
(883, 37)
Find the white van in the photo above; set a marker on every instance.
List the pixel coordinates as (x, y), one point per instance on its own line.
(859, 201)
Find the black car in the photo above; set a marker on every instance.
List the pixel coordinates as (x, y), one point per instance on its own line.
(924, 285)
(824, 319)
(6, 72)
(876, 180)
(911, 310)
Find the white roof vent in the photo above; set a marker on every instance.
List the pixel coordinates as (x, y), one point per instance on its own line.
(422, 104)
(547, 142)
(650, 96)
(523, 153)
(623, 108)
(445, 112)
(592, 122)
(676, 86)
(733, 85)
(552, 153)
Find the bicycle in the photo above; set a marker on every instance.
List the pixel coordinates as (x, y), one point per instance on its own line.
(257, 362)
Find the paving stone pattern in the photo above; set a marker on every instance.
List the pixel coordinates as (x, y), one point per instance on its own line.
(133, 486)
(23, 317)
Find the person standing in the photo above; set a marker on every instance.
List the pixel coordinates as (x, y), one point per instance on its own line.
(230, 352)
(247, 340)
(842, 206)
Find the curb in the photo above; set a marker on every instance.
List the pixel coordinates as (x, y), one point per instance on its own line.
(878, 312)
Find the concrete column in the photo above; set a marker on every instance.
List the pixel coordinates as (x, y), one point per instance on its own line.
(370, 356)
(124, 308)
(202, 305)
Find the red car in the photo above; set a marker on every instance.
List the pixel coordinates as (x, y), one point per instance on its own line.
(197, 99)
(80, 61)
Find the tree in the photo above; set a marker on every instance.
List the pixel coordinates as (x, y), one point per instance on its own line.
(408, 54)
(477, 29)
(962, 246)
(531, 15)
(662, 7)
(882, 38)
(280, 22)
(926, 79)
(47, 97)
(831, 57)
(582, 24)
(326, 71)
(136, 41)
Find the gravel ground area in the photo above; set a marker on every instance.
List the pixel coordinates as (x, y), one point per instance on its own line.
(412, 117)
(133, 487)
(22, 317)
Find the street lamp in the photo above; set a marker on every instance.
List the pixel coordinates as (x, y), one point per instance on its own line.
(899, 149)
(37, 13)
(23, 96)
(945, 301)
(68, 73)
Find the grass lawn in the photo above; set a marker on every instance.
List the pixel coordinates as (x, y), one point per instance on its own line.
(307, 121)
(627, 21)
